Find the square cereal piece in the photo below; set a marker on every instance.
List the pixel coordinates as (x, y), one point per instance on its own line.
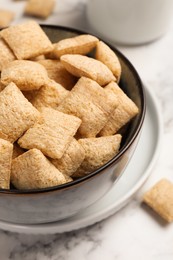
(160, 199)
(58, 73)
(27, 40)
(71, 159)
(89, 101)
(32, 170)
(124, 112)
(50, 95)
(109, 58)
(6, 18)
(6, 55)
(53, 135)
(27, 75)
(81, 44)
(16, 113)
(98, 151)
(39, 8)
(79, 65)
(6, 150)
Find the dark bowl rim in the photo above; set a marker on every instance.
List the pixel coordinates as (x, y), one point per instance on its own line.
(116, 157)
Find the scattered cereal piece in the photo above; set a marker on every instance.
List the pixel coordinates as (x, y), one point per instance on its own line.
(52, 136)
(32, 170)
(6, 18)
(27, 75)
(6, 54)
(160, 199)
(39, 8)
(27, 40)
(16, 113)
(50, 95)
(109, 58)
(71, 159)
(6, 150)
(88, 101)
(81, 44)
(17, 150)
(98, 151)
(79, 65)
(58, 73)
(125, 111)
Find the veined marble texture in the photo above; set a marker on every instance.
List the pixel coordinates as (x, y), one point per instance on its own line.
(135, 232)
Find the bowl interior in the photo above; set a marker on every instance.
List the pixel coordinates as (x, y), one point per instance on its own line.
(131, 85)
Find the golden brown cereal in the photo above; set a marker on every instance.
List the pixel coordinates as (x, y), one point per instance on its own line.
(98, 151)
(32, 170)
(125, 111)
(6, 18)
(50, 95)
(52, 136)
(88, 101)
(39, 8)
(79, 65)
(58, 73)
(109, 58)
(6, 54)
(160, 199)
(17, 150)
(27, 75)
(16, 113)
(6, 150)
(27, 40)
(81, 44)
(71, 159)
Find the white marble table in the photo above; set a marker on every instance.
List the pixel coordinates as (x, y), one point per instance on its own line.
(134, 232)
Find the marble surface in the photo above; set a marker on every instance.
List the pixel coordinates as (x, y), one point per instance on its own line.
(135, 232)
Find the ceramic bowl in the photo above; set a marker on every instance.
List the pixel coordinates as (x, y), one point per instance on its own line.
(60, 202)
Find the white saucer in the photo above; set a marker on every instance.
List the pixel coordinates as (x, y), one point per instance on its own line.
(132, 179)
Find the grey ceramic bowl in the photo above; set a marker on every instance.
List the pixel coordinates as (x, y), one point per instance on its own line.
(55, 203)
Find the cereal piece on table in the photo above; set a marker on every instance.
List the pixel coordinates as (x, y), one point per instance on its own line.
(16, 113)
(79, 65)
(6, 54)
(81, 44)
(109, 58)
(27, 40)
(6, 18)
(39, 8)
(98, 151)
(50, 95)
(71, 159)
(27, 75)
(160, 199)
(88, 101)
(6, 150)
(17, 150)
(58, 73)
(32, 170)
(125, 111)
(53, 135)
